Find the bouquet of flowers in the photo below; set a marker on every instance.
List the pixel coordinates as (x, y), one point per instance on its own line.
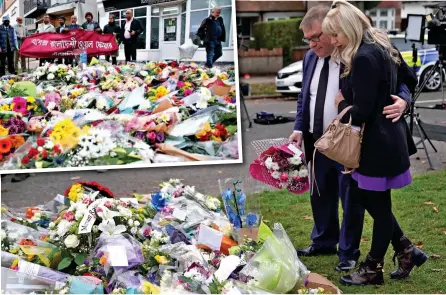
(55, 72)
(42, 154)
(9, 144)
(281, 166)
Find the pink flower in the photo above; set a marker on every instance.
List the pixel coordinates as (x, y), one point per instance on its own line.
(187, 92)
(99, 210)
(87, 201)
(149, 125)
(52, 97)
(68, 216)
(108, 204)
(284, 177)
(151, 136)
(19, 105)
(181, 84)
(147, 231)
(132, 125)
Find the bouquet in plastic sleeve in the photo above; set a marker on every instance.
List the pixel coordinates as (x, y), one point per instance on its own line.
(120, 252)
(29, 280)
(276, 267)
(242, 213)
(280, 164)
(81, 285)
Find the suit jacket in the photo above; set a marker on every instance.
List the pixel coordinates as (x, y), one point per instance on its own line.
(59, 29)
(302, 122)
(374, 77)
(134, 26)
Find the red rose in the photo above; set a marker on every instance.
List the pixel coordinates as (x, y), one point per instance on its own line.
(40, 142)
(33, 152)
(57, 149)
(44, 154)
(13, 219)
(25, 160)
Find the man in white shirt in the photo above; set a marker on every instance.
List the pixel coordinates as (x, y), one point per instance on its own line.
(130, 31)
(315, 111)
(22, 33)
(46, 27)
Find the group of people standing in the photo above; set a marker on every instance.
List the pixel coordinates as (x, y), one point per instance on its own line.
(11, 38)
(352, 64)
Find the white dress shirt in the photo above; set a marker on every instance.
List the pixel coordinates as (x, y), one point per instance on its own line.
(127, 29)
(330, 110)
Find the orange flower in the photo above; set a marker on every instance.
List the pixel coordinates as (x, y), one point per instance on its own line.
(5, 145)
(31, 211)
(27, 242)
(17, 141)
(103, 260)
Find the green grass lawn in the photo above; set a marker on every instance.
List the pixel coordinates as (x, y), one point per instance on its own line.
(412, 206)
(263, 89)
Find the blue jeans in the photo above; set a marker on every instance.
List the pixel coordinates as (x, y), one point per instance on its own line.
(213, 52)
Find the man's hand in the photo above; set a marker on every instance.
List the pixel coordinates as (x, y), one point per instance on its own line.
(296, 137)
(114, 34)
(132, 33)
(81, 28)
(338, 98)
(396, 110)
(98, 29)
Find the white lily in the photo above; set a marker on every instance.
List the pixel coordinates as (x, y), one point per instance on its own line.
(107, 214)
(109, 227)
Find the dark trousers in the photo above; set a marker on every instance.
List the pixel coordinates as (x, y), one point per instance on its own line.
(333, 185)
(129, 50)
(386, 229)
(213, 52)
(114, 59)
(10, 56)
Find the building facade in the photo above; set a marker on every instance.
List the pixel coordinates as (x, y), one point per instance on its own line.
(36, 9)
(13, 9)
(167, 24)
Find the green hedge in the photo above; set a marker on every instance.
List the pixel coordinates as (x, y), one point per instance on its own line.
(283, 33)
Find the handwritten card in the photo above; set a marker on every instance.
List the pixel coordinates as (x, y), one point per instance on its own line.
(118, 256)
(210, 237)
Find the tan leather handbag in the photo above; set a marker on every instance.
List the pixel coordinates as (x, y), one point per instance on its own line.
(340, 143)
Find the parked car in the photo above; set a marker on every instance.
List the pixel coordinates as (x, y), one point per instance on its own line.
(427, 57)
(289, 79)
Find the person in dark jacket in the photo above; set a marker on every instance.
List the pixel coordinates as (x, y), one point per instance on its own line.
(8, 44)
(112, 28)
(370, 78)
(212, 31)
(59, 30)
(130, 31)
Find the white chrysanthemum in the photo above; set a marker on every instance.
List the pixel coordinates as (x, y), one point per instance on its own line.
(295, 160)
(275, 175)
(50, 76)
(303, 172)
(202, 103)
(53, 69)
(294, 173)
(269, 163)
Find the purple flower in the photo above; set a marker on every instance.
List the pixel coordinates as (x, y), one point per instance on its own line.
(139, 135)
(160, 137)
(15, 125)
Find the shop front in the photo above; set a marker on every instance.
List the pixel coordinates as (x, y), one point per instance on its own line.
(167, 24)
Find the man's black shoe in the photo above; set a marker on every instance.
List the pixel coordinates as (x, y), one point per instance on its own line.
(311, 251)
(346, 265)
(20, 177)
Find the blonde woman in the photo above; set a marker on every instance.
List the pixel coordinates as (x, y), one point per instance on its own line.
(370, 78)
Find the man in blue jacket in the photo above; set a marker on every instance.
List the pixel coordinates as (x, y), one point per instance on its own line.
(8, 45)
(315, 111)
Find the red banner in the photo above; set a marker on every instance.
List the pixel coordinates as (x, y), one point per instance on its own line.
(72, 43)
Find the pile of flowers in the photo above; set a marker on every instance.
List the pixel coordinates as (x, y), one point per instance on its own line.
(152, 104)
(175, 240)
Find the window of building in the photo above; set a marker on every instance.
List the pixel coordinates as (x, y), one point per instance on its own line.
(200, 9)
(244, 26)
(383, 24)
(383, 17)
(155, 28)
(183, 23)
(138, 13)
